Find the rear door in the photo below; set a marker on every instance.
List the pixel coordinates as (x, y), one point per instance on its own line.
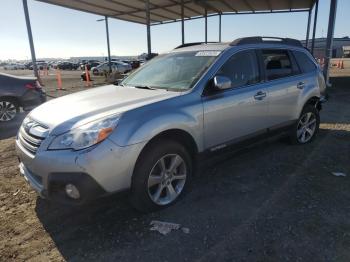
(284, 85)
(233, 114)
(310, 72)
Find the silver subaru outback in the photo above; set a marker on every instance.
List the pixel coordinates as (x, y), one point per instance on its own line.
(144, 134)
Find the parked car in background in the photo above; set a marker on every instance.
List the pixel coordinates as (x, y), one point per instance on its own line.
(21, 66)
(41, 65)
(134, 63)
(14, 66)
(116, 66)
(89, 64)
(10, 66)
(29, 65)
(52, 64)
(18, 92)
(66, 65)
(145, 134)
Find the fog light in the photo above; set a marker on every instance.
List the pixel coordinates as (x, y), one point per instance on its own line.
(72, 191)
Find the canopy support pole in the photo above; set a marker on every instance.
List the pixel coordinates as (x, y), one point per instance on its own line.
(148, 21)
(182, 22)
(220, 28)
(108, 45)
(314, 29)
(206, 25)
(329, 43)
(30, 38)
(308, 29)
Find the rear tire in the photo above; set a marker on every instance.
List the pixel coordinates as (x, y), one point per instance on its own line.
(161, 176)
(9, 109)
(307, 126)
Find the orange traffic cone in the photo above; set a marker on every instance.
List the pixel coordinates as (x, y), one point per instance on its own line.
(59, 80)
(338, 64)
(87, 77)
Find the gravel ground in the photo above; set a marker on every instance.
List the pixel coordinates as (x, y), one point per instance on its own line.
(271, 202)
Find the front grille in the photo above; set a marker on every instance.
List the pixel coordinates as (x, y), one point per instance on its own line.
(31, 137)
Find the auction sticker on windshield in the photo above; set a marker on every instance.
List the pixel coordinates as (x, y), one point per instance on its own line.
(208, 53)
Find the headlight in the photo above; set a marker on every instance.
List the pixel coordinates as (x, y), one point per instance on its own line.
(86, 135)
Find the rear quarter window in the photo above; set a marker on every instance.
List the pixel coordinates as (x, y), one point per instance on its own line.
(306, 65)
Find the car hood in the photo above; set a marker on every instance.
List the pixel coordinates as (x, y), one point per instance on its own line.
(64, 113)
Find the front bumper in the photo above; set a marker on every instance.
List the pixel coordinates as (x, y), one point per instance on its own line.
(96, 171)
(34, 181)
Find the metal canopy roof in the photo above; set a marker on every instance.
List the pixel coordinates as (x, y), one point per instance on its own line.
(165, 11)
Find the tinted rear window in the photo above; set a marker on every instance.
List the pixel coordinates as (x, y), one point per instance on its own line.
(277, 64)
(305, 63)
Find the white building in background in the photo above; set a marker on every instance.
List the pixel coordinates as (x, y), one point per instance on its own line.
(346, 51)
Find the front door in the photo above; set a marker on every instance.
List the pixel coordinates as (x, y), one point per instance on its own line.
(240, 111)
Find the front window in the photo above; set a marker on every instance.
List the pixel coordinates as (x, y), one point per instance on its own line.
(241, 68)
(174, 71)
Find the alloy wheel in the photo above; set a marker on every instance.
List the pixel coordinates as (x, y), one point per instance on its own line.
(7, 111)
(306, 127)
(167, 179)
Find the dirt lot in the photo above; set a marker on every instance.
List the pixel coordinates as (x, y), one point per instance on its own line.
(271, 202)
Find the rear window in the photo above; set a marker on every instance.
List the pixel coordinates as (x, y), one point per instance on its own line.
(277, 64)
(305, 63)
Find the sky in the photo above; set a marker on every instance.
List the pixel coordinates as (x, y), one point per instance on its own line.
(62, 33)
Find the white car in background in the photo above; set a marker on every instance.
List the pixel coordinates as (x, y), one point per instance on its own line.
(14, 66)
(117, 66)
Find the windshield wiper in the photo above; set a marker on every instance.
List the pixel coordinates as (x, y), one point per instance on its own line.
(145, 87)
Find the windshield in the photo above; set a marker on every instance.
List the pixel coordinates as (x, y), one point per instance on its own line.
(174, 71)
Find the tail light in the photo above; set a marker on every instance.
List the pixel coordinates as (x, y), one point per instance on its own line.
(33, 85)
(30, 86)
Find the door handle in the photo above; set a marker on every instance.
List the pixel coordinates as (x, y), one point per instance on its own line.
(300, 85)
(260, 95)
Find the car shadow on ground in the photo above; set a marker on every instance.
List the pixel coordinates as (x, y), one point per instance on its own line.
(227, 203)
(10, 128)
(272, 201)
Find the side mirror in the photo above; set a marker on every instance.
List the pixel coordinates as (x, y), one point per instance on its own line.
(222, 82)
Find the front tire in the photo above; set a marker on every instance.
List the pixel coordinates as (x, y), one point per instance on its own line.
(161, 176)
(8, 109)
(307, 126)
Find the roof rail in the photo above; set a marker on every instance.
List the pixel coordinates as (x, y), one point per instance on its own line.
(266, 39)
(194, 43)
